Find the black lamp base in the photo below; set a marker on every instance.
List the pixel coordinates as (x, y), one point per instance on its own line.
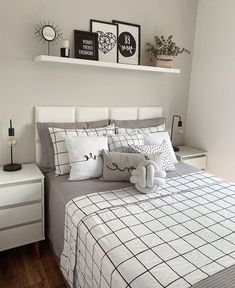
(176, 149)
(12, 167)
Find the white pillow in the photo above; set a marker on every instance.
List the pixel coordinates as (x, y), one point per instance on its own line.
(85, 156)
(159, 128)
(167, 161)
(121, 142)
(58, 135)
(157, 139)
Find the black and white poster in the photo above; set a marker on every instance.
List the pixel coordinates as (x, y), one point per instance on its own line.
(86, 45)
(128, 43)
(107, 40)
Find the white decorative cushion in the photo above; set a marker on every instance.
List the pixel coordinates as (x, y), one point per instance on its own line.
(85, 156)
(121, 142)
(158, 138)
(58, 135)
(159, 128)
(167, 161)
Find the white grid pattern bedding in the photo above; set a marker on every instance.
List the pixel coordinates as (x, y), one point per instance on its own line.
(62, 165)
(173, 238)
(159, 128)
(121, 142)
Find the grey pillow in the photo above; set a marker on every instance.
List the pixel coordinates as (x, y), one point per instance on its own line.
(93, 124)
(48, 160)
(138, 123)
(118, 166)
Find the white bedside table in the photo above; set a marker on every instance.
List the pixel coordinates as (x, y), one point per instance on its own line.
(21, 207)
(192, 156)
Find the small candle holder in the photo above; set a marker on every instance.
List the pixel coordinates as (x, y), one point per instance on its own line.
(64, 50)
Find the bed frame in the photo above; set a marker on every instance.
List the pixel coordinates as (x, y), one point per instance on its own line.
(70, 114)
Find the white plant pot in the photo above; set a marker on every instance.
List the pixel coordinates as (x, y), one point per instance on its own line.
(164, 61)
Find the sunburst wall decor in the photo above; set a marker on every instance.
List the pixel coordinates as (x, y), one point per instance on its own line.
(49, 32)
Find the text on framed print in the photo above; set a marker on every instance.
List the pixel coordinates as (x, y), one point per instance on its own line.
(86, 45)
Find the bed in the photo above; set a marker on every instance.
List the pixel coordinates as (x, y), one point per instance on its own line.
(185, 235)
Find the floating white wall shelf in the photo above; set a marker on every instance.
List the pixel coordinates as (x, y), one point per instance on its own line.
(54, 59)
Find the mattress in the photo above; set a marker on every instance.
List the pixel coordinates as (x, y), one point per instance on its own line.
(59, 191)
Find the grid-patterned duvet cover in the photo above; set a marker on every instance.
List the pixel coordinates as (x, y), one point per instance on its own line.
(176, 237)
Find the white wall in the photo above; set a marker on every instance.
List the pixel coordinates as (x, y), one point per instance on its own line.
(211, 116)
(24, 84)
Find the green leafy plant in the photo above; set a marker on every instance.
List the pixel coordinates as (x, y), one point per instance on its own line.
(164, 46)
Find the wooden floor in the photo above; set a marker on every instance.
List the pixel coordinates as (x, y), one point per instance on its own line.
(20, 268)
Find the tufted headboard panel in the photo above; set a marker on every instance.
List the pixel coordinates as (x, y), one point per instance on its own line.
(68, 114)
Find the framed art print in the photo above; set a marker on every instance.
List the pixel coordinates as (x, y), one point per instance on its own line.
(86, 45)
(128, 43)
(107, 39)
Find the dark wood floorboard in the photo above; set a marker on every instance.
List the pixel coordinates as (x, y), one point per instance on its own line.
(21, 268)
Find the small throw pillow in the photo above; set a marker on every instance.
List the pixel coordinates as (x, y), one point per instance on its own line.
(58, 135)
(158, 138)
(154, 129)
(118, 166)
(167, 161)
(121, 142)
(85, 156)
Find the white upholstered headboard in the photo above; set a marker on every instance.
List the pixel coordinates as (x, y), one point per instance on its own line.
(69, 114)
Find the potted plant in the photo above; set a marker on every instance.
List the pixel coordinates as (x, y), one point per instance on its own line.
(164, 51)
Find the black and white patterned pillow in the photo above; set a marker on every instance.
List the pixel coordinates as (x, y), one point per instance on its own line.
(159, 128)
(121, 142)
(167, 161)
(62, 165)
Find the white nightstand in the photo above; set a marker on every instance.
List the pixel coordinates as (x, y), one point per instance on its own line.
(21, 207)
(192, 156)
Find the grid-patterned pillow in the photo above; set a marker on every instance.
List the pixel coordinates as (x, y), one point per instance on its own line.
(167, 161)
(159, 128)
(121, 142)
(58, 135)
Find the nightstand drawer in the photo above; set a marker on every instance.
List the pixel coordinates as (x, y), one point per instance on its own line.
(199, 162)
(21, 236)
(20, 215)
(11, 195)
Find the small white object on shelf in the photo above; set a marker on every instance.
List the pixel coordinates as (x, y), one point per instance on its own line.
(65, 44)
(21, 207)
(54, 59)
(192, 156)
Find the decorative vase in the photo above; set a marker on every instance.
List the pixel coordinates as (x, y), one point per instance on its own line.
(165, 61)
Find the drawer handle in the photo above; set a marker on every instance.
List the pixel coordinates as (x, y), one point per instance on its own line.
(194, 157)
(20, 225)
(20, 204)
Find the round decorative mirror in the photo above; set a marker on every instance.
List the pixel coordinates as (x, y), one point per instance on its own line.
(48, 33)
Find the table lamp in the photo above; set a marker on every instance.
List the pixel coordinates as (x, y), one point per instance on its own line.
(12, 143)
(179, 131)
